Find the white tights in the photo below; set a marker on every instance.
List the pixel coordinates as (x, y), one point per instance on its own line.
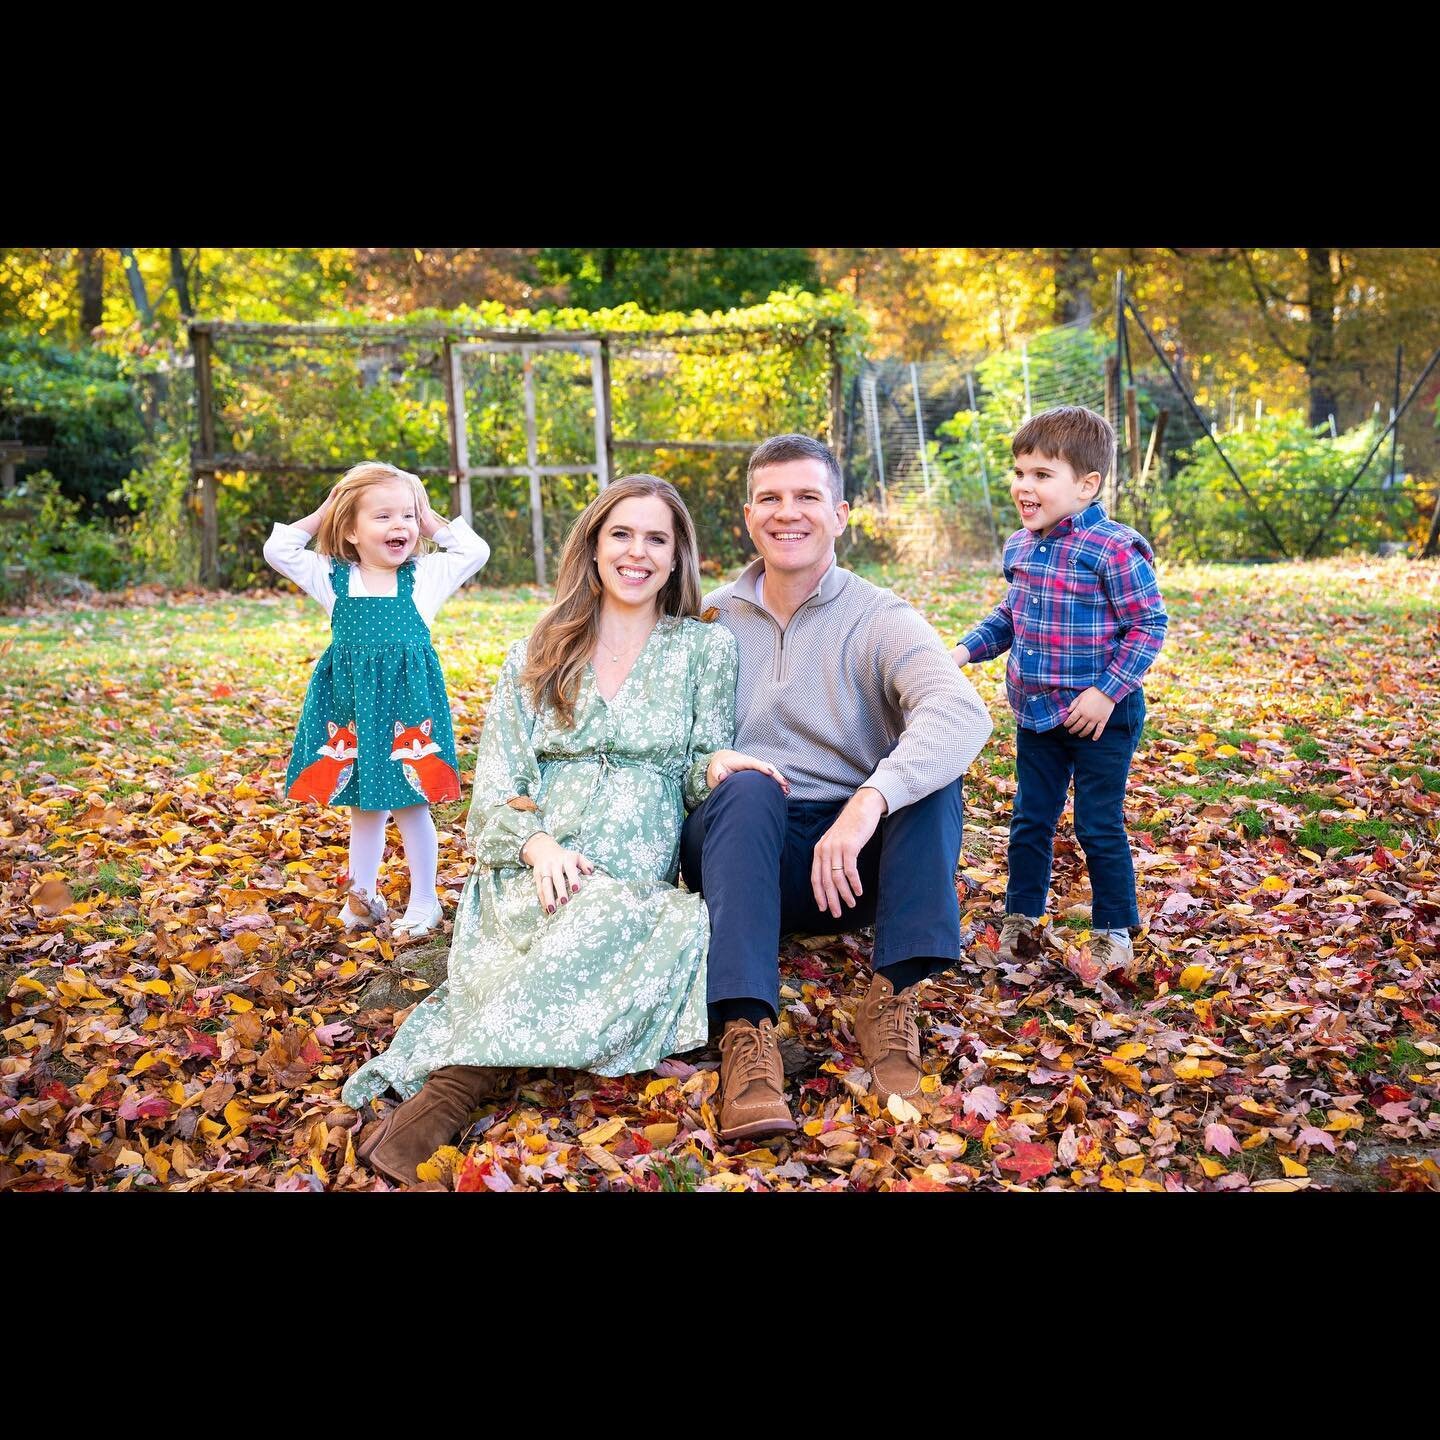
(422, 852)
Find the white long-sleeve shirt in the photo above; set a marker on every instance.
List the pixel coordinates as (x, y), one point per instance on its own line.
(437, 577)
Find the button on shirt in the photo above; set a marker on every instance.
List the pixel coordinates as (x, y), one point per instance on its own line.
(1083, 609)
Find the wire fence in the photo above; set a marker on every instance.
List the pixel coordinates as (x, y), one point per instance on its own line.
(1202, 468)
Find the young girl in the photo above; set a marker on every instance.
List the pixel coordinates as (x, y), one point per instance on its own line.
(375, 732)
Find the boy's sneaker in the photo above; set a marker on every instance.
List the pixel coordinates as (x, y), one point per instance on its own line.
(1018, 938)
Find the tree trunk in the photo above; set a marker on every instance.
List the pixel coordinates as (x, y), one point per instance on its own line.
(177, 279)
(137, 286)
(92, 291)
(1320, 342)
(1074, 282)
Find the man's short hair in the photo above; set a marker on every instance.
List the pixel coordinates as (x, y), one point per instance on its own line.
(1080, 437)
(780, 448)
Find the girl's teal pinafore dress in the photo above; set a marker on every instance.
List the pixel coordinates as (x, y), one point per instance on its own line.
(375, 732)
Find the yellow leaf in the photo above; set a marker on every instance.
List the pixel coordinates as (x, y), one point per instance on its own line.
(1272, 882)
(1292, 1167)
(210, 1129)
(144, 1062)
(236, 1116)
(238, 1003)
(658, 1087)
(28, 982)
(347, 969)
(1311, 855)
(601, 1133)
(216, 849)
(1280, 1186)
(814, 1127)
(129, 1157)
(1341, 1120)
(153, 987)
(440, 1166)
(660, 1135)
(1132, 1050)
(1186, 758)
(1226, 751)
(1192, 977)
(536, 1143)
(1191, 1069)
(902, 1110)
(1258, 1138)
(242, 791)
(1212, 1168)
(1206, 738)
(929, 1084)
(1128, 1075)
(1132, 1165)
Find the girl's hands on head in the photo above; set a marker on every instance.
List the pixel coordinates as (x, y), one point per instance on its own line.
(724, 763)
(430, 523)
(557, 870)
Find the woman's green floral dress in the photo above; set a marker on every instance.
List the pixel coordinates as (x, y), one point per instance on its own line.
(614, 981)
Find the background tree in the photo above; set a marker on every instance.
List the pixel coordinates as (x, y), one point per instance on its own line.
(659, 279)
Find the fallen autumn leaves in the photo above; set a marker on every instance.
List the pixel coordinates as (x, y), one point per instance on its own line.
(182, 1010)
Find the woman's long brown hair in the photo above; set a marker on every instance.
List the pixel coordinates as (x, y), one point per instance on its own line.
(564, 638)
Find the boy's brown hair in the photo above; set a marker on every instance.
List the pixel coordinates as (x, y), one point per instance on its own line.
(1080, 437)
(340, 518)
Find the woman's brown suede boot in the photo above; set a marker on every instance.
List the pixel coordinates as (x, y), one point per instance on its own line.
(414, 1131)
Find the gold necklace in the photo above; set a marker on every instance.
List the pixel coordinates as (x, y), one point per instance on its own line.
(614, 657)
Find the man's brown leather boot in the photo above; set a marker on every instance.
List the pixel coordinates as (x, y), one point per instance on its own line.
(752, 1082)
(411, 1133)
(889, 1037)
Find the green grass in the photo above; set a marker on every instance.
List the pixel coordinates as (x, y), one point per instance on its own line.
(1347, 836)
(1404, 1056)
(116, 879)
(1252, 822)
(677, 1174)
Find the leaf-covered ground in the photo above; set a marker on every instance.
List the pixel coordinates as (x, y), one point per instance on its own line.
(181, 1009)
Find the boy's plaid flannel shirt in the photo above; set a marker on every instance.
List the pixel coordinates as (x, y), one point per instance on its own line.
(1083, 609)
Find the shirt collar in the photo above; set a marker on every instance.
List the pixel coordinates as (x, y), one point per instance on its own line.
(1092, 514)
(829, 587)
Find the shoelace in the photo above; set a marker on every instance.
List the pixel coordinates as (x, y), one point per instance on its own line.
(899, 1024)
(748, 1050)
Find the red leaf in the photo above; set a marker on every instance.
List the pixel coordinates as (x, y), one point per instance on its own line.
(1029, 1160)
(56, 1091)
(220, 692)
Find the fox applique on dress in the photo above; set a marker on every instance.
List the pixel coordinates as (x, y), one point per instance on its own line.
(420, 762)
(325, 778)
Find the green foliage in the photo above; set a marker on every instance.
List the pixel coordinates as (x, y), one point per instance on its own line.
(1295, 471)
(676, 279)
(322, 404)
(77, 403)
(44, 544)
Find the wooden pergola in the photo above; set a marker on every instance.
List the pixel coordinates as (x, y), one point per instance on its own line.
(206, 461)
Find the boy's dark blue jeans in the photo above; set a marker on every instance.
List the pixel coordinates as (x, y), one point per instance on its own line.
(1044, 764)
(748, 849)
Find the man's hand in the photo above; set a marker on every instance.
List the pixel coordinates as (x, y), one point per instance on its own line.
(960, 655)
(1090, 713)
(834, 875)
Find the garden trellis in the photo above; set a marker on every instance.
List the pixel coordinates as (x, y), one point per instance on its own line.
(489, 410)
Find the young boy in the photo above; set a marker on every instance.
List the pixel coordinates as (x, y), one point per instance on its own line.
(1083, 620)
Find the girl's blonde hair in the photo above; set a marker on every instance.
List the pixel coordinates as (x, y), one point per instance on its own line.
(340, 518)
(564, 638)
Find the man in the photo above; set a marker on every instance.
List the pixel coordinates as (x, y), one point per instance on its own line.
(847, 690)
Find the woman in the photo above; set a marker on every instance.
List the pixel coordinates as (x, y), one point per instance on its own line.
(572, 946)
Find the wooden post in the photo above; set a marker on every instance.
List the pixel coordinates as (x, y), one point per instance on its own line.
(459, 432)
(600, 390)
(1157, 436)
(984, 468)
(7, 476)
(532, 459)
(1132, 429)
(604, 397)
(204, 468)
(1432, 540)
(447, 360)
(837, 400)
(1112, 414)
(920, 424)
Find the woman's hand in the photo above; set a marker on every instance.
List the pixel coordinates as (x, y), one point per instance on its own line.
(726, 762)
(557, 870)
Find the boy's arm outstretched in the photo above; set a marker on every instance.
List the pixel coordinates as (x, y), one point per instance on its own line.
(992, 636)
(285, 551)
